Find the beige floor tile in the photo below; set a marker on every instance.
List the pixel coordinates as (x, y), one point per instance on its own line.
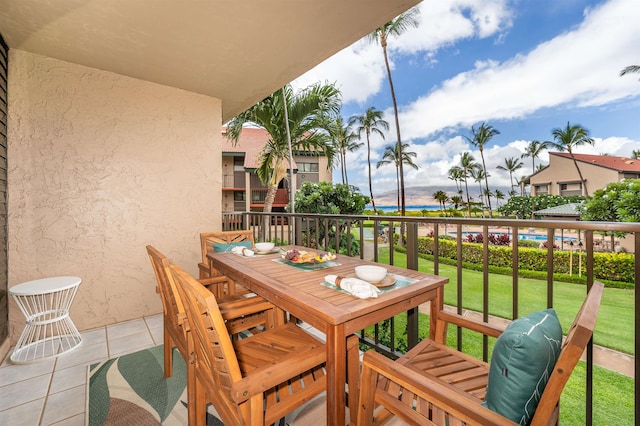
(68, 378)
(85, 354)
(78, 420)
(24, 391)
(94, 336)
(23, 415)
(11, 373)
(63, 405)
(126, 329)
(130, 343)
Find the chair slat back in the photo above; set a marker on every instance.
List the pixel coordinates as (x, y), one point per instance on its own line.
(224, 237)
(573, 347)
(171, 302)
(217, 364)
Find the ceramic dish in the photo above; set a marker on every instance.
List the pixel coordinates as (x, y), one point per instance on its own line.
(272, 251)
(387, 281)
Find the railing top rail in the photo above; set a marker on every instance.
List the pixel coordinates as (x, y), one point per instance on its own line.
(520, 223)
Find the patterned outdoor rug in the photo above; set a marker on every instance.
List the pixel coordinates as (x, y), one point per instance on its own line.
(132, 390)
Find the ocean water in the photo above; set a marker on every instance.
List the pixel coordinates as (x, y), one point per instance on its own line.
(408, 208)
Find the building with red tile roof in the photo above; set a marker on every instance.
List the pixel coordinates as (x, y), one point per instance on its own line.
(560, 177)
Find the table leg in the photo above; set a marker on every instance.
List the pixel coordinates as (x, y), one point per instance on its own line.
(336, 375)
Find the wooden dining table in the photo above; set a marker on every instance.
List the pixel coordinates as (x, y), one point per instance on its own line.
(302, 291)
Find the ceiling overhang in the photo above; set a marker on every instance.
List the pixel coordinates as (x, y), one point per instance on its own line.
(237, 51)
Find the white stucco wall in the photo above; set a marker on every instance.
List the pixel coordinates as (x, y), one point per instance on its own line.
(99, 166)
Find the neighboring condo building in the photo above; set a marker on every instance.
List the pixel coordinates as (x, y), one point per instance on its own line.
(241, 187)
(560, 177)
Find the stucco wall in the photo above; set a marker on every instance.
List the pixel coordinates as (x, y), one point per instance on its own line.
(563, 170)
(99, 166)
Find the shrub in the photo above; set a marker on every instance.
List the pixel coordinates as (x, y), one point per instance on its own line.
(617, 267)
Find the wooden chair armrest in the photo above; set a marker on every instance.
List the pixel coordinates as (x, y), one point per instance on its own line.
(464, 322)
(268, 377)
(440, 394)
(242, 307)
(213, 280)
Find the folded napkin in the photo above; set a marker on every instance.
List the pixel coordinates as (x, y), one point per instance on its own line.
(354, 286)
(242, 251)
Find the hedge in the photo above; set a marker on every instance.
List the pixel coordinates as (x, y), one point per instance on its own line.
(616, 267)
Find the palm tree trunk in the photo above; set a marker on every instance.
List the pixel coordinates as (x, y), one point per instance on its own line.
(344, 167)
(268, 207)
(582, 181)
(383, 42)
(486, 183)
(373, 203)
(466, 186)
(398, 186)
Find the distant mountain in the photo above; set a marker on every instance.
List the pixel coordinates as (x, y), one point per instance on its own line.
(423, 195)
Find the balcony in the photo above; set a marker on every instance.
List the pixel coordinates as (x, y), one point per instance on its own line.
(479, 292)
(370, 232)
(259, 195)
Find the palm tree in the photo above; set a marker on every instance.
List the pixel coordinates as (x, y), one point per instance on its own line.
(630, 69)
(441, 197)
(467, 163)
(478, 175)
(370, 122)
(569, 138)
(456, 200)
(499, 196)
(344, 140)
(395, 27)
(306, 112)
(533, 150)
(481, 136)
(635, 154)
(455, 174)
(391, 155)
(511, 165)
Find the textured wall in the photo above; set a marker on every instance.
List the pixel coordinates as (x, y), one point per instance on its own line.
(99, 166)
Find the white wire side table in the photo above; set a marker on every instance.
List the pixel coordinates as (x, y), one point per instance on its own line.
(49, 330)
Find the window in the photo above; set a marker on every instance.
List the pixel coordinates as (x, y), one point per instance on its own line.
(542, 189)
(308, 167)
(238, 164)
(239, 196)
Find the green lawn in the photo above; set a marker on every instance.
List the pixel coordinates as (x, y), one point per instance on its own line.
(615, 326)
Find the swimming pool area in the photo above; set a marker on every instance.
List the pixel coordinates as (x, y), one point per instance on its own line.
(524, 236)
(368, 234)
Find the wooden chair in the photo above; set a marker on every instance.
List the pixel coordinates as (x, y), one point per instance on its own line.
(239, 315)
(255, 380)
(207, 239)
(434, 384)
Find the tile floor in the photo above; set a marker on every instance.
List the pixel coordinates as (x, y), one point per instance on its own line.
(52, 392)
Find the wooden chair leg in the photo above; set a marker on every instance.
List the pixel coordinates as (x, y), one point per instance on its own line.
(199, 402)
(353, 376)
(366, 398)
(168, 354)
(193, 414)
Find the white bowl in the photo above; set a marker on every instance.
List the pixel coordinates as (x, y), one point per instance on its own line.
(264, 247)
(371, 273)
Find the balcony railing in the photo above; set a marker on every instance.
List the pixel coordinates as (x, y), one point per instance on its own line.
(319, 231)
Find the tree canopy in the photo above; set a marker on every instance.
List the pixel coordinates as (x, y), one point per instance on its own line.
(330, 198)
(616, 202)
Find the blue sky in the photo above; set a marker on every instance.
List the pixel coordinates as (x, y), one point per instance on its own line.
(524, 67)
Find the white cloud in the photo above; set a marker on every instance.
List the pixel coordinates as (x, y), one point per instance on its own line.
(578, 68)
(359, 69)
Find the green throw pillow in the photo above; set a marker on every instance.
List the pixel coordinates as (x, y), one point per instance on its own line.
(523, 359)
(222, 247)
